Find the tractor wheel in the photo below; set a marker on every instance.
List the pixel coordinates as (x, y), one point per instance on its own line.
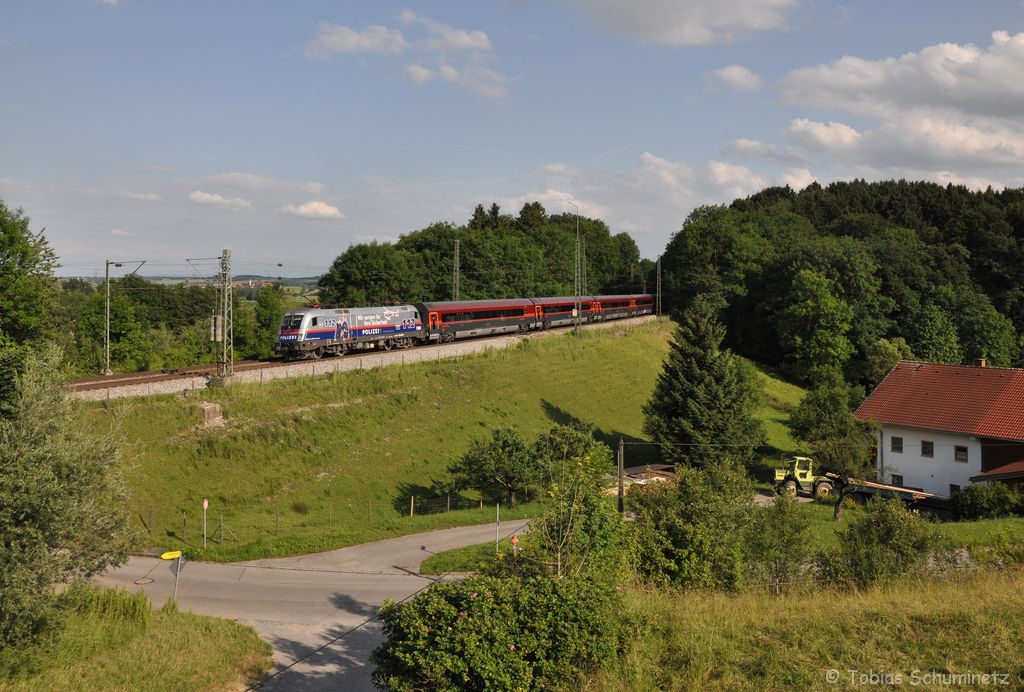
(823, 490)
(789, 488)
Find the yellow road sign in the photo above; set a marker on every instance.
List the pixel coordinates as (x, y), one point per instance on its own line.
(171, 555)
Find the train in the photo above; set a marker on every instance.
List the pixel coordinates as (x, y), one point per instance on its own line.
(316, 332)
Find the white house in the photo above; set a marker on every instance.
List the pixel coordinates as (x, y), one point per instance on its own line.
(943, 427)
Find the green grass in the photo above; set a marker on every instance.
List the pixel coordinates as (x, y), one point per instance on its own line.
(472, 558)
(317, 463)
(712, 641)
(113, 641)
(780, 400)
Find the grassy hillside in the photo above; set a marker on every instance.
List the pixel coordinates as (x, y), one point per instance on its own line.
(310, 464)
(113, 641)
(711, 641)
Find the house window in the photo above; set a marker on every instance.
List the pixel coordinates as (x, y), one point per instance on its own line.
(960, 454)
(897, 479)
(954, 489)
(927, 448)
(896, 444)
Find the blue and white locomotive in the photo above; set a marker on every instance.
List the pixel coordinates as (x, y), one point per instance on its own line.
(316, 332)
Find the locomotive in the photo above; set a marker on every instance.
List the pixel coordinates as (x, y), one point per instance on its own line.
(317, 332)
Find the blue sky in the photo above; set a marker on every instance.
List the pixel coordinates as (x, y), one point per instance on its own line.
(286, 131)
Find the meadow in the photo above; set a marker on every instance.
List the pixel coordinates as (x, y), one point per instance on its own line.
(115, 641)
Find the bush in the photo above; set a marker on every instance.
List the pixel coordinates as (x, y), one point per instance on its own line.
(779, 545)
(883, 542)
(693, 536)
(986, 501)
(488, 633)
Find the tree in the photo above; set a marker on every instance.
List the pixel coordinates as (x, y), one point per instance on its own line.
(532, 216)
(26, 277)
(814, 323)
(61, 501)
(934, 337)
(577, 526)
(883, 356)
(369, 274)
(839, 441)
(500, 467)
(693, 536)
(703, 404)
(269, 309)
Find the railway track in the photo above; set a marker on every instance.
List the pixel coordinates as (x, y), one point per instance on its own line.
(146, 383)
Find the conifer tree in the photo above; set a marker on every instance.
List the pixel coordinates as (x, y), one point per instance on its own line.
(703, 404)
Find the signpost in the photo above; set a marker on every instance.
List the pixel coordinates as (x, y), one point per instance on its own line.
(174, 555)
(206, 505)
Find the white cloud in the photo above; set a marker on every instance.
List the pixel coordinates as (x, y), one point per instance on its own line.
(447, 38)
(688, 22)
(798, 178)
(215, 200)
(560, 169)
(828, 136)
(312, 210)
(475, 76)
(337, 38)
(121, 233)
(738, 78)
(109, 3)
(752, 148)
(844, 14)
(253, 181)
(140, 196)
(419, 73)
(964, 79)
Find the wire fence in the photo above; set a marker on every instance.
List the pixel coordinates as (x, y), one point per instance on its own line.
(317, 521)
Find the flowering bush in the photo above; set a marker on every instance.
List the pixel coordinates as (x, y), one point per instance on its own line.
(491, 633)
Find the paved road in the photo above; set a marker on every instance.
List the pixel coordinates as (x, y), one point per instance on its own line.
(298, 604)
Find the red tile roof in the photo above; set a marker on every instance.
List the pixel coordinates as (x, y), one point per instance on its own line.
(982, 402)
(1007, 471)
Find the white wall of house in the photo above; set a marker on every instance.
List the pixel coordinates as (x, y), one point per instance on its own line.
(934, 474)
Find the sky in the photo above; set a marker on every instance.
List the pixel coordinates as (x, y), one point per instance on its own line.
(286, 131)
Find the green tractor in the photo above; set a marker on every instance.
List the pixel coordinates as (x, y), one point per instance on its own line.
(798, 477)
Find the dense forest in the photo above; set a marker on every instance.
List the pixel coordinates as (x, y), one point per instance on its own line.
(857, 274)
(500, 256)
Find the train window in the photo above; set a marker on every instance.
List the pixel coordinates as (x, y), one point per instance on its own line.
(295, 323)
(313, 323)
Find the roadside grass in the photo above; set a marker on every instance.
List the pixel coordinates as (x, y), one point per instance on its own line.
(471, 558)
(114, 641)
(715, 641)
(313, 464)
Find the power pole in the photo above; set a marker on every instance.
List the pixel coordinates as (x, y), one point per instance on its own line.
(106, 311)
(659, 287)
(226, 362)
(106, 321)
(583, 266)
(577, 282)
(455, 272)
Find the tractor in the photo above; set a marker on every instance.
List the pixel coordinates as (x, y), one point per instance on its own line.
(798, 477)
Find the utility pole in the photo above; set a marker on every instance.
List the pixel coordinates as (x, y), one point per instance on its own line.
(658, 311)
(576, 272)
(226, 362)
(455, 272)
(583, 266)
(106, 312)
